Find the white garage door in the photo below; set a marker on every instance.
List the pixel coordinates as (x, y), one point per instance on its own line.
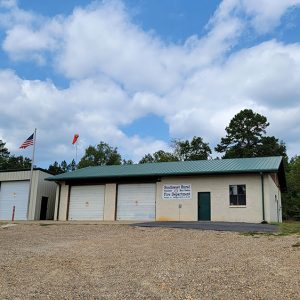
(86, 202)
(14, 193)
(136, 202)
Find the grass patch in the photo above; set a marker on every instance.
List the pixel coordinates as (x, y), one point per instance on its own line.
(288, 228)
(256, 234)
(46, 224)
(285, 228)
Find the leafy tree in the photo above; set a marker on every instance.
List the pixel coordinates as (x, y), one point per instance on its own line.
(16, 162)
(55, 168)
(11, 162)
(72, 166)
(4, 153)
(196, 149)
(63, 167)
(291, 199)
(102, 154)
(158, 156)
(270, 146)
(127, 162)
(148, 158)
(246, 137)
(162, 156)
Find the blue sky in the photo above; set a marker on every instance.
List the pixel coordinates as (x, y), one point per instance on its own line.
(138, 73)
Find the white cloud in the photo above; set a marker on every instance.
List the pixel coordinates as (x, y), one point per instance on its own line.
(265, 78)
(263, 15)
(12, 14)
(23, 42)
(267, 14)
(93, 107)
(119, 73)
(89, 42)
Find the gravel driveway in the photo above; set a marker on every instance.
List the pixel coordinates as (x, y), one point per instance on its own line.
(76, 261)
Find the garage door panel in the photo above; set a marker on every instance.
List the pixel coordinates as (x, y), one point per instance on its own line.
(86, 202)
(136, 202)
(14, 193)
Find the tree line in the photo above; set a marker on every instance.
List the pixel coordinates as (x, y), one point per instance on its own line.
(8, 161)
(245, 137)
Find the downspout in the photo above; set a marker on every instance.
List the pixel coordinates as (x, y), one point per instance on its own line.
(263, 197)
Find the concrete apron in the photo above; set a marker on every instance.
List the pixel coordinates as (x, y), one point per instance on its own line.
(196, 225)
(215, 226)
(51, 222)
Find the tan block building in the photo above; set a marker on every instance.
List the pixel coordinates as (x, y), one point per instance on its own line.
(233, 190)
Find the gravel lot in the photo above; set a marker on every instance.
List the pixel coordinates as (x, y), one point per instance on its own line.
(77, 261)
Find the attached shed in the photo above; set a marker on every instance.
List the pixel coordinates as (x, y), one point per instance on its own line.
(234, 190)
(14, 190)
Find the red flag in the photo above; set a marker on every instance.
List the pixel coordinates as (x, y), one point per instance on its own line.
(75, 138)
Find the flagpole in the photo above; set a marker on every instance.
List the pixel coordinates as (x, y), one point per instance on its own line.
(31, 173)
(76, 154)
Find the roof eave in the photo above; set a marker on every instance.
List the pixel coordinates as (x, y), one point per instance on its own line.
(68, 178)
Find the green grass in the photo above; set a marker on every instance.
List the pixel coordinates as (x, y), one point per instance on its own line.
(288, 228)
(285, 228)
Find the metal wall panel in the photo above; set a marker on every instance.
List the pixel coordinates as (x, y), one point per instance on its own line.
(45, 189)
(136, 201)
(14, 176)
(14, 193)
(86, 202)
(40, 188)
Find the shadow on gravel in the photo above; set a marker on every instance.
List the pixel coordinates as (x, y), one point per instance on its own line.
(216, 226)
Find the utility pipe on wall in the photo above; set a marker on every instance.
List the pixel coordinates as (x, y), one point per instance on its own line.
(262, 197)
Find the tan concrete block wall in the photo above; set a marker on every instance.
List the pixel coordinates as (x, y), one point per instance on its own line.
(218, 186)
(64, 194)
(267, 198)
(110, 202)
(56, 201)
(274, 210)
(168, 210)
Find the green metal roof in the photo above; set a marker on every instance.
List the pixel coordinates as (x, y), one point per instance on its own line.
(199, 167)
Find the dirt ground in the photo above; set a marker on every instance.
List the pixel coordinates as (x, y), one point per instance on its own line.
(76, 261)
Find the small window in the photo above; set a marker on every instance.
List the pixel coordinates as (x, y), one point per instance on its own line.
(237, 194)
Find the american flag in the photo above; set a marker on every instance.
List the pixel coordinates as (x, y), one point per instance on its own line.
(28, 142)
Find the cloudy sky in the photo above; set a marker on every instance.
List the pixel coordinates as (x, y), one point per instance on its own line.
(137, 73)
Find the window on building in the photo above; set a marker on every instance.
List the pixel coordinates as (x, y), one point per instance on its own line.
(237, 194)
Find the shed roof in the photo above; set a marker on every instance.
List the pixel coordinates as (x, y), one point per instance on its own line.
(24, 170)
(199, 167)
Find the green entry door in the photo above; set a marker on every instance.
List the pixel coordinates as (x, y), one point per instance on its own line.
(204, 206)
